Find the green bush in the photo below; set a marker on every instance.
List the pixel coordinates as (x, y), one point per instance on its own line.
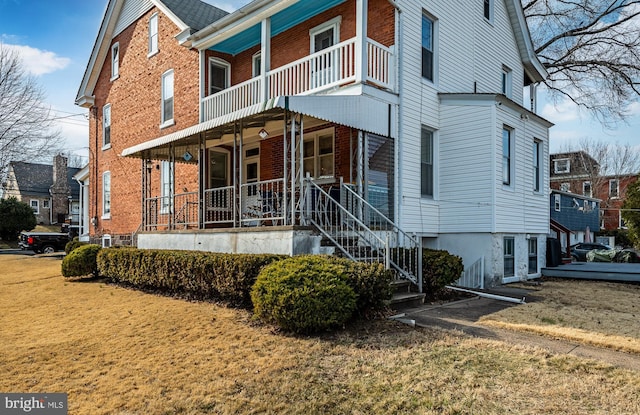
(304, 294)
(15, 216)
(71, 245)
(81, 261)
(371, 283)
(194, 274)
(439, 268)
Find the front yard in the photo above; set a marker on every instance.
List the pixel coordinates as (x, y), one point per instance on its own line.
(117, 351)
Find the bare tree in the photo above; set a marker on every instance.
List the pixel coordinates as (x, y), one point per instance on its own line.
(26, 125)
(591, 49)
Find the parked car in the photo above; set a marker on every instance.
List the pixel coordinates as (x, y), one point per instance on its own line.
(43, 242)
(579, 251)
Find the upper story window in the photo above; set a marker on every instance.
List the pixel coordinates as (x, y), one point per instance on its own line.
(256, 63)
(45, 204)
(325, 35)
(106, 195)
(167, 98)
(561, 165)
(318, 154)
(507, 82)
(115, 61)
(586, 189)
(537, 170)
(106, 126)
(428, 47)
(153, 34)
(426, 163)
(488, 9)
(219, 72)
(507, 155)
(614, 188)
(35, 205)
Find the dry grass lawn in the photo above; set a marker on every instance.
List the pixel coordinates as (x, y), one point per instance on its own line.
(117, 351)
(600, 313)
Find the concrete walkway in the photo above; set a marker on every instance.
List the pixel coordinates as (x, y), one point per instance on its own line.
(463, 316)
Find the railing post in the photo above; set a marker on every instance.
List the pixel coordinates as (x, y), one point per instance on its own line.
(387, 252)
(361, 41)
(419, 270)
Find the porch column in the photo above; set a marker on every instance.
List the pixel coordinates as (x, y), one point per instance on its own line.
(172, 185)
(361, 40)
(265, 58)
(202, 156)
(285, 173)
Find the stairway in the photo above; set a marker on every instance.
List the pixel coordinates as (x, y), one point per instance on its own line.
(403, 298)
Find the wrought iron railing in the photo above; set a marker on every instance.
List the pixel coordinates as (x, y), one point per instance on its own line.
(262, 203)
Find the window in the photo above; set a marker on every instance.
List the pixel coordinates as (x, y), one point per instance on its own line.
(507, 81)
(508, 251)
(488, 9)
(218, 75)
(586, 189)
(537, 179)
(106, 195)
(153, 35)
(428, 47)
(507, 145)
(45, 204)
(556, 202)
(115, 61)
(325, 35)
(426, 163)
(533, 255)
(252, 168)
(256, 62)
(614, 188)
(561, 166)
(621, 223)
(166, 186)
(35, 205)
(318, 154)
(167, 98)
(565, 187)
(323, 70)
(106, 126)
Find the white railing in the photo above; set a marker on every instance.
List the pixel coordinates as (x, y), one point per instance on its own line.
(262, 203)
(219, 205)
(473, 277)
(325, 69)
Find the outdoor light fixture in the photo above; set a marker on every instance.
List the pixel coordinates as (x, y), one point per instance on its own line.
(263, 134)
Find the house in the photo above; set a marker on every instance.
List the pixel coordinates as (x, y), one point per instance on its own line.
(579, 173)
(370, 124)
(82, 178)
(48, 189)
(577, 213)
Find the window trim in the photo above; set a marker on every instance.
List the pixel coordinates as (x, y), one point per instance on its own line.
(557, 202)
(487, 8)
(106, 144)
(227, 68)
(115, 61)
(531, 255)
(256, 63)
(45, 204)
(151, 35)
(314, 136)
(166, 178)
(432, 133)
(106, 213)
(166, 122)
(505, 256)
(323, 27)
(584, 185)
(35, 207)
(617, 192)
(434, 47)
(537, 165)
(558, 171)
(507, 82)
(509, 182)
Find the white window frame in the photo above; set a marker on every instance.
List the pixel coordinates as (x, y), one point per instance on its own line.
(115, 61)
(321, 28)
(537, 165)
(565, 187)
(424, 164)
(507, 82)
(584, 189)
(557, 202)
(315, 137)
(505, 255)
(223, 64)
(532, 243)
(508, 158)
(616, 194)
(35, 206)
(559, 162)
(106, 127)
(45, 204)
(106, 195)
(621, 224)
(434, 47)
(153, 39)
(166, 187)
(256, 62)
(165, 120)
(487, 8)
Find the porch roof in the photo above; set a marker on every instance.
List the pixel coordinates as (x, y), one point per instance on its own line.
(357, 111)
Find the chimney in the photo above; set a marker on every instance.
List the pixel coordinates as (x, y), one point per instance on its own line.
(59, 190)
(60, 171)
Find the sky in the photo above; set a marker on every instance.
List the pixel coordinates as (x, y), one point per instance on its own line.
(55, 39)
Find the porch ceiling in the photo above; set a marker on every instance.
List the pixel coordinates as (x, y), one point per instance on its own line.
(357, 111)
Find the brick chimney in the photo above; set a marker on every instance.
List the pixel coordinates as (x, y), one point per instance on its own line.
(59, 190)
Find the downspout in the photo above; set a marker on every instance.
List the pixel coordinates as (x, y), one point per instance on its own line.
(398, 88)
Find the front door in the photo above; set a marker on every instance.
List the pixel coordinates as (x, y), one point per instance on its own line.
(219, 195)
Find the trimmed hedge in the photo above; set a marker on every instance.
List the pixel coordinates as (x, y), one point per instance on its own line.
(304, 294)
(71, 245)
(81, 261)
(371, 283)
(439, 268)
(195, 274)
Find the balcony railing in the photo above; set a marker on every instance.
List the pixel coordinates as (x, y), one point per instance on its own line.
(331, 67)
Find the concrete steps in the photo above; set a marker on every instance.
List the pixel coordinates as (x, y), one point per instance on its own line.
(403, 298)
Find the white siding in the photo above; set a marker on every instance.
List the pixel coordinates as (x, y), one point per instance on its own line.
(131, 11)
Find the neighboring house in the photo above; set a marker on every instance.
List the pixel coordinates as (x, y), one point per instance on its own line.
(82, 178)
(48, 189)
(579, 173)
(579, 214)
(373, 124)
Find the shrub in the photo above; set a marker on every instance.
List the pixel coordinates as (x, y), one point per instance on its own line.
(71, 245)
(194, 274)
(15, 216)
(304, 294)
(81, 261)
(371, 283)
(439, 268)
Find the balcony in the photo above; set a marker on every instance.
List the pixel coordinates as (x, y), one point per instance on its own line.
(329, 68)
